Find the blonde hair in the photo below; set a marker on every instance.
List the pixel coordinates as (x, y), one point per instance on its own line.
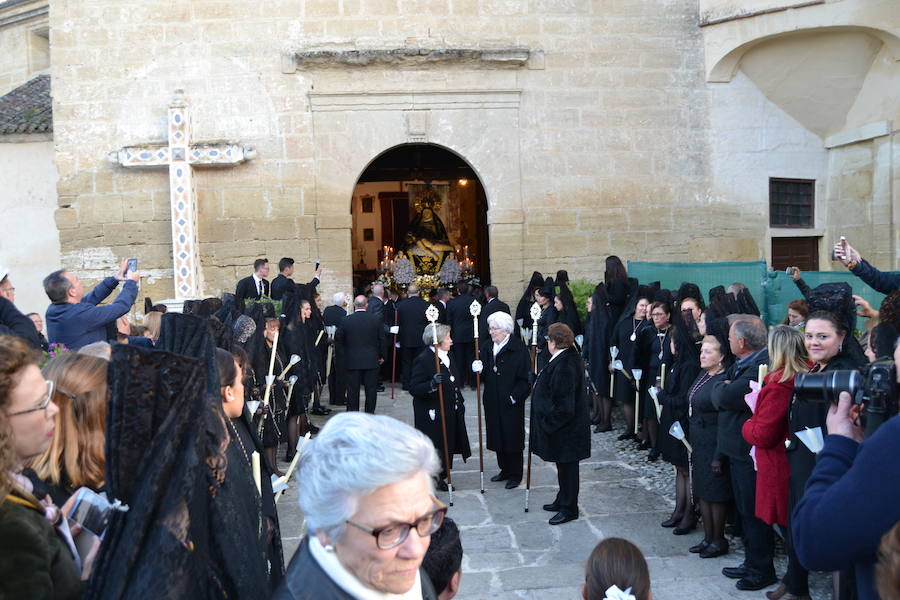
(787, 352)
(153, 322)
(77, 449)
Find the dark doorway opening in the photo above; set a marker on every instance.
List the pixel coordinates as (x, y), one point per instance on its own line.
(802, 252)
(405, 200)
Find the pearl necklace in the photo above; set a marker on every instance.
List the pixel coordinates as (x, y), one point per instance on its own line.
(704, 379)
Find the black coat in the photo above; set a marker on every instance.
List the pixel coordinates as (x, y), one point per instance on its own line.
(460, 319)
(487, 310)
(412, 322)
(426, 405)
(733, 410)
(621, 339)
(506, 388)
(360, 340)
(246, 289)
(560, 423)
(674, 401)
(281, 285)
(333, 315)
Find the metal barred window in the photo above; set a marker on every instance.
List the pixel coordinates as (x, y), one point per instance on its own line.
(791, 202)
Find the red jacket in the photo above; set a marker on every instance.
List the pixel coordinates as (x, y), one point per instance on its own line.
(767, 429)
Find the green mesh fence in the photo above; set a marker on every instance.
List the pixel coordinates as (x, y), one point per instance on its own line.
(705, 275)
(771, 290)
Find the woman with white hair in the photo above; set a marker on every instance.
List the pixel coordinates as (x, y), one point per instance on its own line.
(370, 512)
(423, 385)
(504, 371)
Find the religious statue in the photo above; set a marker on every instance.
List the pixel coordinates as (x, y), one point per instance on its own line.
(427, 241)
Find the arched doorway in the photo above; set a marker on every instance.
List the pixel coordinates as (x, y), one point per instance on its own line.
(423, 204)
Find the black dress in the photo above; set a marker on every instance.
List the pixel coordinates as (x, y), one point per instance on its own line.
(704, 431)
(506, 389)
(621, 338)
(679, 380)
(652, 352)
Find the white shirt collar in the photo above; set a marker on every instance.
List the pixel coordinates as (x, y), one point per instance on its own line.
(444, 355)
(257, 279)
(557, 353)
(345, 580)
(501, 345)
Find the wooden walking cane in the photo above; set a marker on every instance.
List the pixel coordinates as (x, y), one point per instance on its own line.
(394, 360)
(535, 315)
(475, 310)
(431, 313)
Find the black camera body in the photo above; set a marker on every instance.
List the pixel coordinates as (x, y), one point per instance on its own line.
(874, 386)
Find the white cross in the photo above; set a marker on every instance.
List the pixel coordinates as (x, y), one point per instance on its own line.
(180, 156)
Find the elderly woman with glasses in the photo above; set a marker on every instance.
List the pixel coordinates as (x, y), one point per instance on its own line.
(504, 368)
(370, 512)
(38, 559)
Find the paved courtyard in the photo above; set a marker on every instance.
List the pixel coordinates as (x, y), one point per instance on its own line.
(513, 554)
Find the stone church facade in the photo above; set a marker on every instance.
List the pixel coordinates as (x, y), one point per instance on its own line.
(651, 130)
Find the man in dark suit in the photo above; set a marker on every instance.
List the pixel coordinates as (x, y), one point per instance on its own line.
(360, 339)
(377, 306)
(412, 321)
(255, 286)
(283, 282)
(747, 338)
(462, 329)
(492, 304)
(441, 298)
(332, 316)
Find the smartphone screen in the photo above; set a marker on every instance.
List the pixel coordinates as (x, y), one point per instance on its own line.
(91, 511)
(132, 265)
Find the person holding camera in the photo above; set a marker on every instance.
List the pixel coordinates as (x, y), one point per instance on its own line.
(877, 280)
(853, 495)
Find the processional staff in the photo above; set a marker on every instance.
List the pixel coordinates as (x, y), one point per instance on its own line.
(270, 379)
(535, 315)
(394, 359)
(475, 311)
(431, 313)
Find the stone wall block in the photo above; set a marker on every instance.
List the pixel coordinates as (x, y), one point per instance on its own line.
(245, 203)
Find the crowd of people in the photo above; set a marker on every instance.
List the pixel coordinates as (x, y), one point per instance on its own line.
(143, 459)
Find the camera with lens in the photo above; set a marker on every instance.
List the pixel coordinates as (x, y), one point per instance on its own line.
(874, 386)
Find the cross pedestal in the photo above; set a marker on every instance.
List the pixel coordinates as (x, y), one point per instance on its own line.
(180, 156)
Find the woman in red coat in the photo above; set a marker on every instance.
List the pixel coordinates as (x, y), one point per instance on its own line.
(767, 429)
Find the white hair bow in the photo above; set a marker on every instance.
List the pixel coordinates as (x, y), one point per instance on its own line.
(614, 593)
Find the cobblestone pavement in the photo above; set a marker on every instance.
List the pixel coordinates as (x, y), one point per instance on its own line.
(509, 553)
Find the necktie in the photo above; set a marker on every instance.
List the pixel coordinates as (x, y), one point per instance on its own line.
(260, 289)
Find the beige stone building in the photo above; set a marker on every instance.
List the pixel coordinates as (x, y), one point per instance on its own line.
(674, 130)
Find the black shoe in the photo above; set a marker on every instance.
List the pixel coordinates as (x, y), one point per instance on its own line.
(513, 483)
(313, 430)
(562, 517)
(735, 572)
(684, 530)
(714, 550)
(602, 428)
(653, 455)
(699, 547)
(671, 521)
(289, 457)
(501, 476)
(552, 507)
(320, 411)
(644, 445)
(338, 403)
(441, 485)
(754, 582)
(625, 436)
(380, 388)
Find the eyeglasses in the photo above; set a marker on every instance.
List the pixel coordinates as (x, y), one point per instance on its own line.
(395, 534)
(42, 406)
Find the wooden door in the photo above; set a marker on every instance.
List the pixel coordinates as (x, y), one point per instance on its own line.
(800, 252)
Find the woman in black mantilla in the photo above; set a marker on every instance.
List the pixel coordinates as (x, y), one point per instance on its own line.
(673, 398)
(653, 351)
(299, 339)
(423, 386)
(269, 420)
(624, 337)
(255, 508)
(523, 308)
(544, 296)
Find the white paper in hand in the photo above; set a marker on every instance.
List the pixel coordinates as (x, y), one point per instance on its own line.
(279, 484)
(676, 431)
(654, 393)
(270, 379)
(812, 439)
(432, 414)
(252, 405)
(579, 339)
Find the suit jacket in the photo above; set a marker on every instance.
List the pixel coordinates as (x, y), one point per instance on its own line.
(412, 322)
(506, 389)
(487, 310)
(361, 340)
(733, 410)
(246, 289)
(280, 286)
(460, 319)
(560, 423)
(333, 315)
